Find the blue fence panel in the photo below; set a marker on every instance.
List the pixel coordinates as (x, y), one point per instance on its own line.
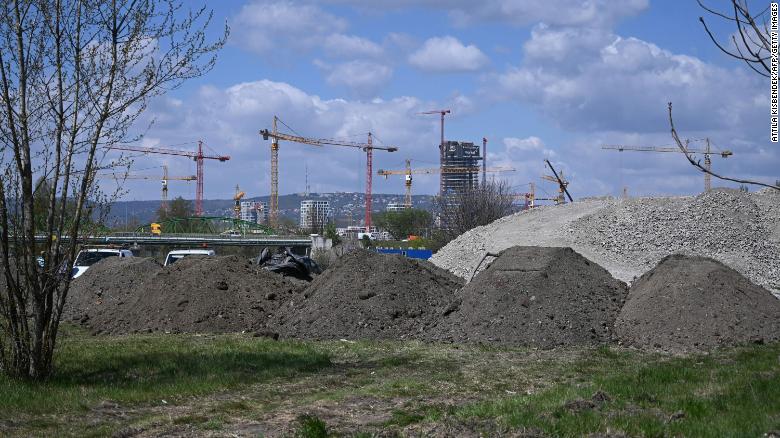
(412, 253)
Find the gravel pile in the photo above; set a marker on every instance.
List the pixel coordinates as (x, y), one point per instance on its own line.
(694, 304)
(629, 237)
(535, 296)
(194, 295)
(366, 295)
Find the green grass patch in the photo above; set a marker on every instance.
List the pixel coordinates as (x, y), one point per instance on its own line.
(310, 426)
(729, 393)
(153, 369)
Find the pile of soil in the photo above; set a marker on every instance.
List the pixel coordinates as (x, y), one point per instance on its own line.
(366, 295)
(691, 303)
(194, 295)
(536, 296)
(107, 286)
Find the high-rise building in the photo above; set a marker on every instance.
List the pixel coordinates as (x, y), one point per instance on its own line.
(314, 214)
(254, 211)
(460, 155)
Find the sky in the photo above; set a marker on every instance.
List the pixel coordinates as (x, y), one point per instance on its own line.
(540, 79)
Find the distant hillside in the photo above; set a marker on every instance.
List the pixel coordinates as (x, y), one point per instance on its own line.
(349, 207)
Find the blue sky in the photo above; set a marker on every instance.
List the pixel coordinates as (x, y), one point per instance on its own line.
(540, 79)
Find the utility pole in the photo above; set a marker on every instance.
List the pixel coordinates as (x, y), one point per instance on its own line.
(484, 161)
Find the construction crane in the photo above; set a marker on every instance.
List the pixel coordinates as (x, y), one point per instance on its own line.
(442, 113)
(707, 152)
(408, 172)
(237, 198)
(557, 178)
(368, 148)
(165, 178)
(198, 156)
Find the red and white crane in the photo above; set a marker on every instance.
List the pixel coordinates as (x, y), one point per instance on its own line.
(198, 156)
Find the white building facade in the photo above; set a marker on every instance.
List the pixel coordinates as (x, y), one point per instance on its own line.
(315, 214)
(254, 211)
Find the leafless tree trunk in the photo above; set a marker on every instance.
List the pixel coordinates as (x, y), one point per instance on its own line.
(472, 207)
(74, 77)
(751, 44)
(697, 163)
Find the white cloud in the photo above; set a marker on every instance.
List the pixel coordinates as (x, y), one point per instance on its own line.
(614, 83)
(362, 78)
(263, 26)
(522, 12)
(349, 46)
(448, 54)
(228, 120)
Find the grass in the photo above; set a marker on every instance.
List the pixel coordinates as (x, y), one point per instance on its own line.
(153, 369)
(733, 393)
(189, 384)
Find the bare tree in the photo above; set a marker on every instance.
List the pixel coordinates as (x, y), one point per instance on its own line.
(751, 42)
(74, 77)
(697, 163)
(472, 207)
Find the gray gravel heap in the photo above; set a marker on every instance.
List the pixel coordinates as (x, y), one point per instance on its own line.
(629, 237)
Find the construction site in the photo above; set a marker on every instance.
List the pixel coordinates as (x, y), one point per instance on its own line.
(660, 275)
(516, 280)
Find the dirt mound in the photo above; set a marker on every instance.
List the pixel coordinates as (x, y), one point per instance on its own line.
(197, 295)
(365, 295)
(536, 296)
(689, 303)
(107, 286)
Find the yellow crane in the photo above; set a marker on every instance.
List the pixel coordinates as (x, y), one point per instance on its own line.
(165, 178)
(707, 152)
(237, 198)
(408, 172)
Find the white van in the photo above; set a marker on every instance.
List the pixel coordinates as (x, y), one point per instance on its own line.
(88, 257)
(179, 254)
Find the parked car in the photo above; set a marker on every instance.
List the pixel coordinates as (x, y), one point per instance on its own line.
(179, 254)
(90, 256)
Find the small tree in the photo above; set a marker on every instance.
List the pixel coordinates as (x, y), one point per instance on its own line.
(472, 207)
(74, 77)
(402, 224)
(332, 234)
(177, 208)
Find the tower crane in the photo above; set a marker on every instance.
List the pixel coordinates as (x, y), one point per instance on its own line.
(165, 178)
(237, 198)
(707, 152)
(408, 172)
(198, 156)
(275, 135)
(442, 113)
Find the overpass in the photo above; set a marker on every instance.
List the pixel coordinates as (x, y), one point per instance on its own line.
(193, 240)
